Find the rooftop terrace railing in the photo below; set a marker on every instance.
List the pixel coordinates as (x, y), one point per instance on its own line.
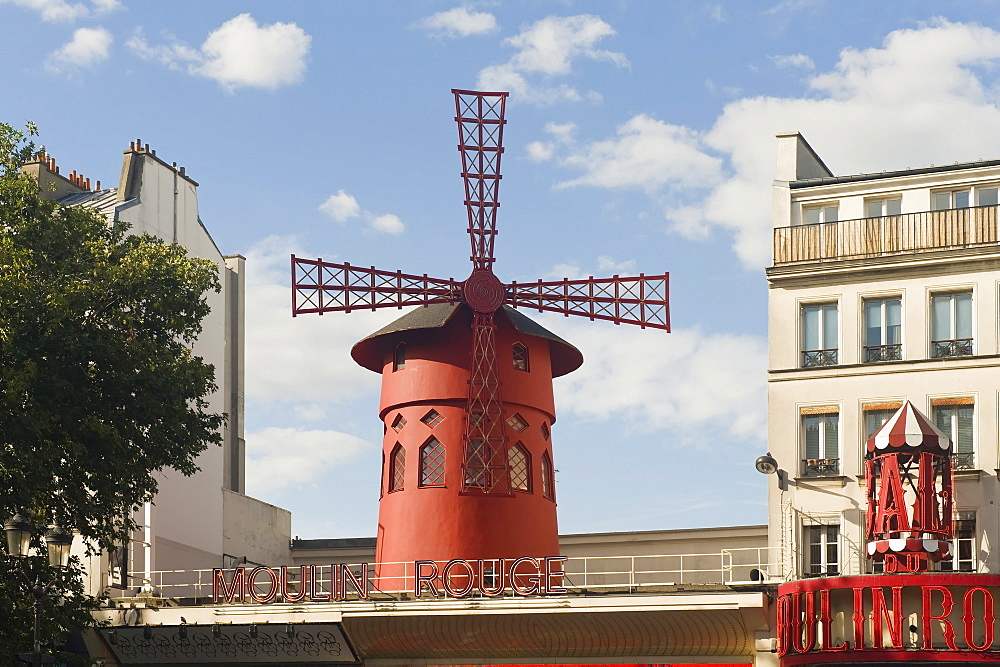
(926, 231)
(582, 574)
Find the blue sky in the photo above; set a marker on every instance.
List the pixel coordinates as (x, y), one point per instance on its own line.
(640, 137)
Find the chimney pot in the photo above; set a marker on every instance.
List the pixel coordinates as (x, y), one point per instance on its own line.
(145, 147)
(98, 186)
(87, 184)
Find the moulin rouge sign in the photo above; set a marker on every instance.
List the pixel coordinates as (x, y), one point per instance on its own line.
(939, 614)
(456, 578)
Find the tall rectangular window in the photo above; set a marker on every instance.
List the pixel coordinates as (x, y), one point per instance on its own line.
(814, 215)
(819, 335)
(877, 414)
(880, 208)
(956, 418)
(883, 330)
(823, 556)
(820, 444)
(962, 555)
(943, 201)
(951, 324)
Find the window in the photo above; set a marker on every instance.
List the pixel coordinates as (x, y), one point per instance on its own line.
(943, 201)
(880, 208)
(956, 417)
(398, 423)
(432, 463)
(399, 357)
(520, 353)
(520, 468)
(820, 440)
(819, 335)
(823, 556)
(951, 324)
(432, 418)
(397, 466)
(813, 215)
(876, 415)
(962, 555)
(544, 428)
(548, 480)
(986, 196)
(475, 465)
(516, 422)
(883, 330)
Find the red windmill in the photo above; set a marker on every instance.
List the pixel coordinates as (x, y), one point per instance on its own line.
(467, 468)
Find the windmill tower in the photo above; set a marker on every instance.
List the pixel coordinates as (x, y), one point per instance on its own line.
(467, 380)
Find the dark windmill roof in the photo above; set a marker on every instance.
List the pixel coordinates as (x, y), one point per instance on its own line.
(370, 350)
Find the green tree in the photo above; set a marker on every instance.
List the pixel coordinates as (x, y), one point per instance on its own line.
(98, 383)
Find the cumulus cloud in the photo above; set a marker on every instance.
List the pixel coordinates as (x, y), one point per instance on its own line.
(560, 133)
(342, 207)
(799, 60)
(62, 11)
(886, 107)
(238, 54)
(547, 49)
(282, 457)
(460, 22)
(88, 47)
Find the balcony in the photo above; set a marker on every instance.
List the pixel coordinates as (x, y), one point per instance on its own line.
(877, 353)
(964, 460)
(814, 358)
(926, 231)
(960, 347)
(820, 467)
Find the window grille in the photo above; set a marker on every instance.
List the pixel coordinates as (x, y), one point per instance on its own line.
(520, 468)
(544, 428)
(398, 423)
(548, 480)
(432, 418)
(432, 456)
(516, 422)
(397, 466)
(520, 357)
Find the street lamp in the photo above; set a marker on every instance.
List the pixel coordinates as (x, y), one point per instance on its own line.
(58, 542)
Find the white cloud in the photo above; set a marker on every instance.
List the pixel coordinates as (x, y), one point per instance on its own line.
(607, 265)
(604, 264)
(62, 11)
(283, 457)
(460, 22)
(692, 385)
(88, 47)
(888, 107)
(547, 49)
(238, 54)
(540, 151)
(342, 207)
(799, 60)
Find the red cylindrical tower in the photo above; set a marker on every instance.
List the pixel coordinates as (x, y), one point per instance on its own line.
(424, 514)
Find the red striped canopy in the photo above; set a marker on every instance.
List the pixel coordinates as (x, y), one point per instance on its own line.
(908, 428)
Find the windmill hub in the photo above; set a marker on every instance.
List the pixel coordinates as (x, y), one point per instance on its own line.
(483, 291)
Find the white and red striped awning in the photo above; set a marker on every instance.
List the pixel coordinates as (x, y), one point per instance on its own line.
(908, 428)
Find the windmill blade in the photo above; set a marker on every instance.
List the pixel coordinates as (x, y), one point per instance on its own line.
(641, 300)
(480, 141)
(325, 287)
(485, 467)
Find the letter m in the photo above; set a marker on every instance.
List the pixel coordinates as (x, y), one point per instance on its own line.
(236, 591)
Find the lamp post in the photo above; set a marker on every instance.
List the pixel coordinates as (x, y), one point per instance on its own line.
(58, 542)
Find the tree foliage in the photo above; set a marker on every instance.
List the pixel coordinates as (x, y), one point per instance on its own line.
(98, 383)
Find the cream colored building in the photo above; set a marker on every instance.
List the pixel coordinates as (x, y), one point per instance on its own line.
(884, 288)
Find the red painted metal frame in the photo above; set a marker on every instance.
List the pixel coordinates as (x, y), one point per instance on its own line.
(485, 468)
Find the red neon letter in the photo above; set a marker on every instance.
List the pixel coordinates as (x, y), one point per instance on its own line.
(315, 595)
(237, 592)
(926, 617)
(890, 515)
(968, 619)
(470, 578)
(360, 586)
(784, 627)
(826, 621)
(533, 588)
(500, 578)
(859, 619)
(893, 617)
(420, 579)
(809, 643)
(286, 594)
(553, 574)
(252, 584)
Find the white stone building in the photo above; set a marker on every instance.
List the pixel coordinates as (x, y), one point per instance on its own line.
(884, 288)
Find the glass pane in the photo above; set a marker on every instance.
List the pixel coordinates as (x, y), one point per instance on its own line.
(893, 206)
(941, 317)
(811, 427)
(942, 201)
(964, 435)
(829, 327)
(873, 323)
(874, 420)
(961, 199)
(830, 437)
(810, 328)
(874, 209)
(830, 214)
(893, 322)
(987, 196)
(963, 315)
(942, 419)
(810, 216)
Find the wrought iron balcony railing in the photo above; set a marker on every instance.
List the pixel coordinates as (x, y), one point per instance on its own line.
(876, 353)
(820, 467)
(812, 358)
(960, 347)
(964, 460)
(926, 231)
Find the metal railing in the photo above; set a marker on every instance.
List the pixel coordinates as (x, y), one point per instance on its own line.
(813, 358)
(820, 467)
(925, 231)
(876, 353)
(633, 573)
(960, 347)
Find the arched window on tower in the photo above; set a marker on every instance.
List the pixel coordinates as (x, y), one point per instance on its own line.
(399, 357)
(397, 466)
(432, 463)
(520, 468)
(548, 480)
(520, 353)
